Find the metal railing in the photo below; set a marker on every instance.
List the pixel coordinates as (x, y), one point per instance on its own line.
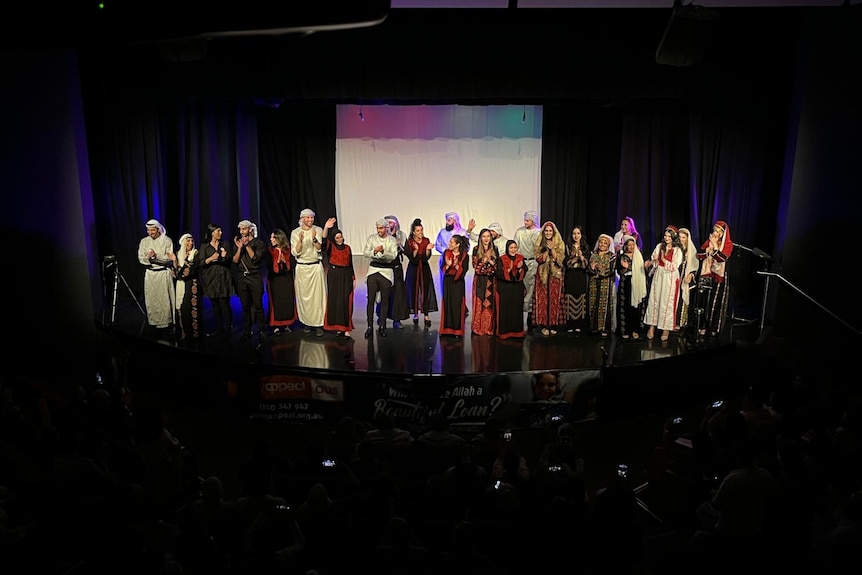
(768, 275)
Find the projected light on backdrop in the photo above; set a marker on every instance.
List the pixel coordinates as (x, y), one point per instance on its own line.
(482, 162)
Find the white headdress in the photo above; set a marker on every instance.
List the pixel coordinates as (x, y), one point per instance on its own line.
(156, 224)
(250, 225)
(639, 290)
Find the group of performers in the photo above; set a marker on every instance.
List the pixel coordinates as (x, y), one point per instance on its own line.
(535, 282)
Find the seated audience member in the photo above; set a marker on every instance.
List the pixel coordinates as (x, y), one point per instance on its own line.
(439, 436)
(740, 505)
(385, 440)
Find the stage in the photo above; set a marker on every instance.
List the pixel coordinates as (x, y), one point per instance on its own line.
(413, 349)
(414, 372)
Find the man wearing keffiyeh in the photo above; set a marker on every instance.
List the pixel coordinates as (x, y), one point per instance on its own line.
(156, 254)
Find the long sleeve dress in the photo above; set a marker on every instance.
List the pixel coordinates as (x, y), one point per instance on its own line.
(576, 288)
(340, 281)
(601, 296)
(484, 294)
(454, 302)
(664, 290)
(421, 293)
(510, 296)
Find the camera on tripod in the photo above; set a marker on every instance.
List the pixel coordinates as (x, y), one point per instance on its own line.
(111, 284)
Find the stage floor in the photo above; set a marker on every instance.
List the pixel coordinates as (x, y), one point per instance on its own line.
(414, 349)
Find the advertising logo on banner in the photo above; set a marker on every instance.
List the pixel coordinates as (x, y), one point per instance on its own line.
(273, 387)
(295, 398)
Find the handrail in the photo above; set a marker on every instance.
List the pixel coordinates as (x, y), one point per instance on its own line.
(768, 275)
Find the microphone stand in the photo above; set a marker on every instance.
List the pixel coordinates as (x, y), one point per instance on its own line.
(767, 259)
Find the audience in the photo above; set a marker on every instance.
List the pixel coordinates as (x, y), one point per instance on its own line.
(101, 472)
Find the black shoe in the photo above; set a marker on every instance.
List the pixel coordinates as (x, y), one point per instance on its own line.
(306, 330)
(319, 332)
(246, 335)
(368, 333)
(427, 323)
(415, 321)
(217, 333)
(262, 335)
(382, 331)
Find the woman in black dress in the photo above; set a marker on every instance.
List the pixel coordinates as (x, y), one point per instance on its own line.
(576, 282)
(217, 281)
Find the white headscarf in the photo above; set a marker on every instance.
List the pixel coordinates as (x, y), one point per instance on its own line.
(183, 257)
(182, 254)
(639, 290)
(532, 215)
(691, 263)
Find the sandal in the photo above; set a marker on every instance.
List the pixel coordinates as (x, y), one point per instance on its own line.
(553, 332)
(635, 335)
(625, 336)
(650, 333)
(664, 335)
(545, 332)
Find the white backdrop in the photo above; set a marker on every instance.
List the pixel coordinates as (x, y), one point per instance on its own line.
(483, 162)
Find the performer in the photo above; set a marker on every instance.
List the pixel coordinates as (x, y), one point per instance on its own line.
(421, 294)
(156, 254)
(511, 270)
(456, 263)
(631, 290)
(714, 282)
(398, 309)
(188, 289)
(280, 284)
(248, 257)
(381, 249)
(484, 259)
(550, 253)
(340, 282)
(217, 279)
(451, 228)
(627, 228)
(687, 279)
(576, 282)
(601, 297)
(664, 289)
(526, 237)
(309, 279)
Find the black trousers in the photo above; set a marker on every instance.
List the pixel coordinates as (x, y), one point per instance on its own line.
(250, 290)
(377, 284)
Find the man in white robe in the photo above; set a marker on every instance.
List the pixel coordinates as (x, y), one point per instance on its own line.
(156, 254)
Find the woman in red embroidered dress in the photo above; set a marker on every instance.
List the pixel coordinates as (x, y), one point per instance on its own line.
(280, 286)
(340, 283)
(511, 270)
(484, 285)
(456, 262)
(550, 253)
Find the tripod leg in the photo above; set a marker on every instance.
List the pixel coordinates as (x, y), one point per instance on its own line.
(114, 295)
(131, 293)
